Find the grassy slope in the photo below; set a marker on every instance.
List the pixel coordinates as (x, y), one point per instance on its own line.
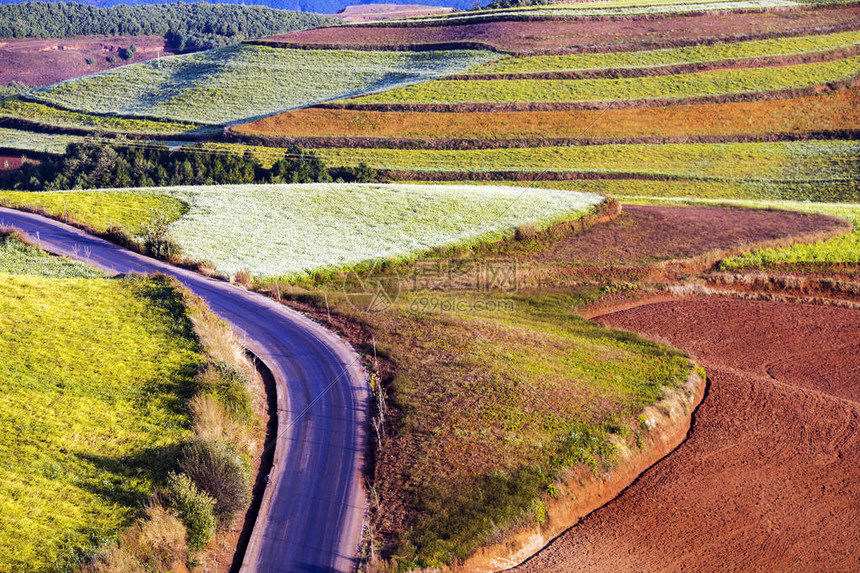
(491, 405)
(293, 230)
(38, 142)
(686, 55)
(245, 81)
(44, 114)
(94, 373)
(719, 82)
(99, 210)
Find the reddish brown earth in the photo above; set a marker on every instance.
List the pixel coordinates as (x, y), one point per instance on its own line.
(768, 478)
(12, 162)
(549, 35)
(39, 62)
(648, 233)
(375, 12)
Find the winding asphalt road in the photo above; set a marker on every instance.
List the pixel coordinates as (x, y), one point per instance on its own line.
(313, 508)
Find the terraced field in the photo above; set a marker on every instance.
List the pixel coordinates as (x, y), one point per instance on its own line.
(321, 127)
(521, 35)
(673, 87)
(706, 54)
(242, 82)
(783, 161)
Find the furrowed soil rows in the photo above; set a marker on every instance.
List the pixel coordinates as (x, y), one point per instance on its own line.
(767, 479)
(647, 233)
(560, 35)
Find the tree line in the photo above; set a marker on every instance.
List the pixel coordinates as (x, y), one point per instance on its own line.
(89, 165)
(186, 27)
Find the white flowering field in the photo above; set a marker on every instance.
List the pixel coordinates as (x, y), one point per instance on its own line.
(293, 230)
(246, 81)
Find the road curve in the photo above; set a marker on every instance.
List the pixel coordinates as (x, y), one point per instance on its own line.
(313, 508)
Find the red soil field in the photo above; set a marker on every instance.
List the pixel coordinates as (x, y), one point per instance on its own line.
(13, 162)
(39, 62)
(375, 12)
(834, 111)
(555, 35)
(644, 233)
(768, 477)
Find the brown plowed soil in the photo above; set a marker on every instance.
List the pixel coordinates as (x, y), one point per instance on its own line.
(646, 233)
(768, 478)
(549, 35)
(39, 62)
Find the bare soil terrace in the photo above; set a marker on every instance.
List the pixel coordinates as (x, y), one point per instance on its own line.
(39, 62)
(660, 243)
(767, 479)
(581, 35)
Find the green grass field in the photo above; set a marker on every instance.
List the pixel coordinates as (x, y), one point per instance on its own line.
(713, 83)
(788, 161)
(246, 81)
(47, 115)
(94, 375)
(686, 55)
(37, 142)
(100, 210)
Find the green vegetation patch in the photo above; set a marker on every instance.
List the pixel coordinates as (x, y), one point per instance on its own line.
(98, 209)
(713, 83)
(37, 142)
(95, 375)
(686, 55)
(785, 161)
(48, 115)
(492, 406)
(247, 81)
(17, 258)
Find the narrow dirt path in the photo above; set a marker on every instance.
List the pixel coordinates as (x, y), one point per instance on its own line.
(769, 477)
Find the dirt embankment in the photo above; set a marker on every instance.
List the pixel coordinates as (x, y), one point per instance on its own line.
(581, 491)
(767, 479)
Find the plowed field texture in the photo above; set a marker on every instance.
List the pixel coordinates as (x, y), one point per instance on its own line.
(767, 479)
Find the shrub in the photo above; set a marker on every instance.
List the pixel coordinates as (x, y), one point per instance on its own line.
(127, 53)
(216, 469)
(157, 240)
(228, 385)
(194, 507)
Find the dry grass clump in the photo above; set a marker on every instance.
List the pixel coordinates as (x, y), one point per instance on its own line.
(155, 543)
